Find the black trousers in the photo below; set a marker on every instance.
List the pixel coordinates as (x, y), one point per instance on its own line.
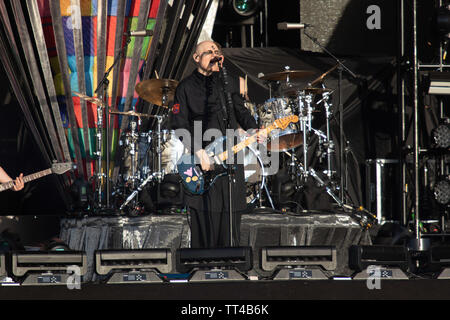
(210, 214)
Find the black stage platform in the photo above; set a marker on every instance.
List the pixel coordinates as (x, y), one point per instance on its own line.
(420, 289)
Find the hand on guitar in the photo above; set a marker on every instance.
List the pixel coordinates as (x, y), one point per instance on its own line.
(205, 161)
(18, 183)
(262, 135)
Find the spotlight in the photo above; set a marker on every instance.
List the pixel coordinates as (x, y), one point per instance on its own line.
(170, 194)
(238, 10)
(245, 8)
(81, 194)
(443, 20)
(441, 191)
(441, 135)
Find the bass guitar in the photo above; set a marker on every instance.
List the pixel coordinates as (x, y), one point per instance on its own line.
(57, 168)
(198, 181)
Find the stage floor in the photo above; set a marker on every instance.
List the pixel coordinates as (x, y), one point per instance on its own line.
(270, 290)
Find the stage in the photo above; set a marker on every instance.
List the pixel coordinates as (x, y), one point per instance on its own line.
(263, 291)
(347, 180)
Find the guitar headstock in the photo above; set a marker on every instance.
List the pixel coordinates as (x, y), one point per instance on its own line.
(284, 122)
(62, 167)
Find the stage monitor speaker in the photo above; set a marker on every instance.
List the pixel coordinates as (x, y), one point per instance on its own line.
(387, 262)
(440, 259)
(219, 263)
(3, 272)
(48, 268)
(302, 263)
(278, 257)
(133, 266)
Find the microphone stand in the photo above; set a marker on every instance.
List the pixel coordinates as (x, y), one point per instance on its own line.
(104, 83)
(341, 68)
(227, 106)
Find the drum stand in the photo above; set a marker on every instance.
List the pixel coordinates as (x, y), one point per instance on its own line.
(329, 143)
(158, 175)
(103, 88)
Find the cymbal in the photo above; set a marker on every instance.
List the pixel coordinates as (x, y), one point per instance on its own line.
(321, 77)
(131, 113)
(90, 99)
(288, 74)
(307, 90)
(154, 90)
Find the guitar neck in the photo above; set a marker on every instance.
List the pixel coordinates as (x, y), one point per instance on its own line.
(241, 145)
(28, 178)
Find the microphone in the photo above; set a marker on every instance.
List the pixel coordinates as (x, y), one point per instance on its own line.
(215, 59)
(140, 33)
(291, 26)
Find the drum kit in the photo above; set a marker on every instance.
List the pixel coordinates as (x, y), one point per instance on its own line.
(149, 156)
(295, 140)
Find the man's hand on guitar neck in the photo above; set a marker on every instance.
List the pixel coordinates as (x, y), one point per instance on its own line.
(205, 161)
(18, 183)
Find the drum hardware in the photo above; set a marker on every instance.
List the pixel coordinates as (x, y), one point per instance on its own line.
(138, 189)
(102, 89)
(158, 92)
(340, 67)
(329, 143)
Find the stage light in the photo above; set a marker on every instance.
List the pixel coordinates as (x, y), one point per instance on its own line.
(245, 8)
(441, 136)
(386, 262)
(81, 194)
(301, 263)
(170, 195)
(48, 268)
(133, 266)
(441, 191)
(443, 20)
(238, 10)
(214, 264)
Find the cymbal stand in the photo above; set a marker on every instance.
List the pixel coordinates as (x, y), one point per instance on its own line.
(103, 85)
(303, 127)
(133, 153)
(159, 174)
(98, 153)
(330, 144)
